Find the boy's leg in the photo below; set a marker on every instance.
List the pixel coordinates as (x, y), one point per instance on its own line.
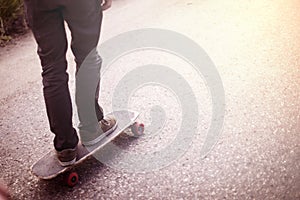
(47, 24)
(84, 19)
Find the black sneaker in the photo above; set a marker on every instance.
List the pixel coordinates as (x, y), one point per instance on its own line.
(67, 157)
(106, 127)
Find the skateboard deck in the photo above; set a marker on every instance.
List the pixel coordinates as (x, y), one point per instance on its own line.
(48, 166)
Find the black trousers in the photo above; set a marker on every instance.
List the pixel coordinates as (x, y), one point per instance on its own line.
(47, 21)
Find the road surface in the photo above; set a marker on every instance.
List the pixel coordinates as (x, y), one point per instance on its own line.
(255, 47)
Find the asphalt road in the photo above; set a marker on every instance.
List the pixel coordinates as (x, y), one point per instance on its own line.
(255, 47)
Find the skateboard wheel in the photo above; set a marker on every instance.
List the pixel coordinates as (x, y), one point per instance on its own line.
(137, 129)
(72, 179)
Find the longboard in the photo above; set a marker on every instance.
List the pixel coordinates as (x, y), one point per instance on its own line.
(48, 166)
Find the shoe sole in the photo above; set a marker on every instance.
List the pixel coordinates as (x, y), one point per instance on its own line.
(68, 163)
